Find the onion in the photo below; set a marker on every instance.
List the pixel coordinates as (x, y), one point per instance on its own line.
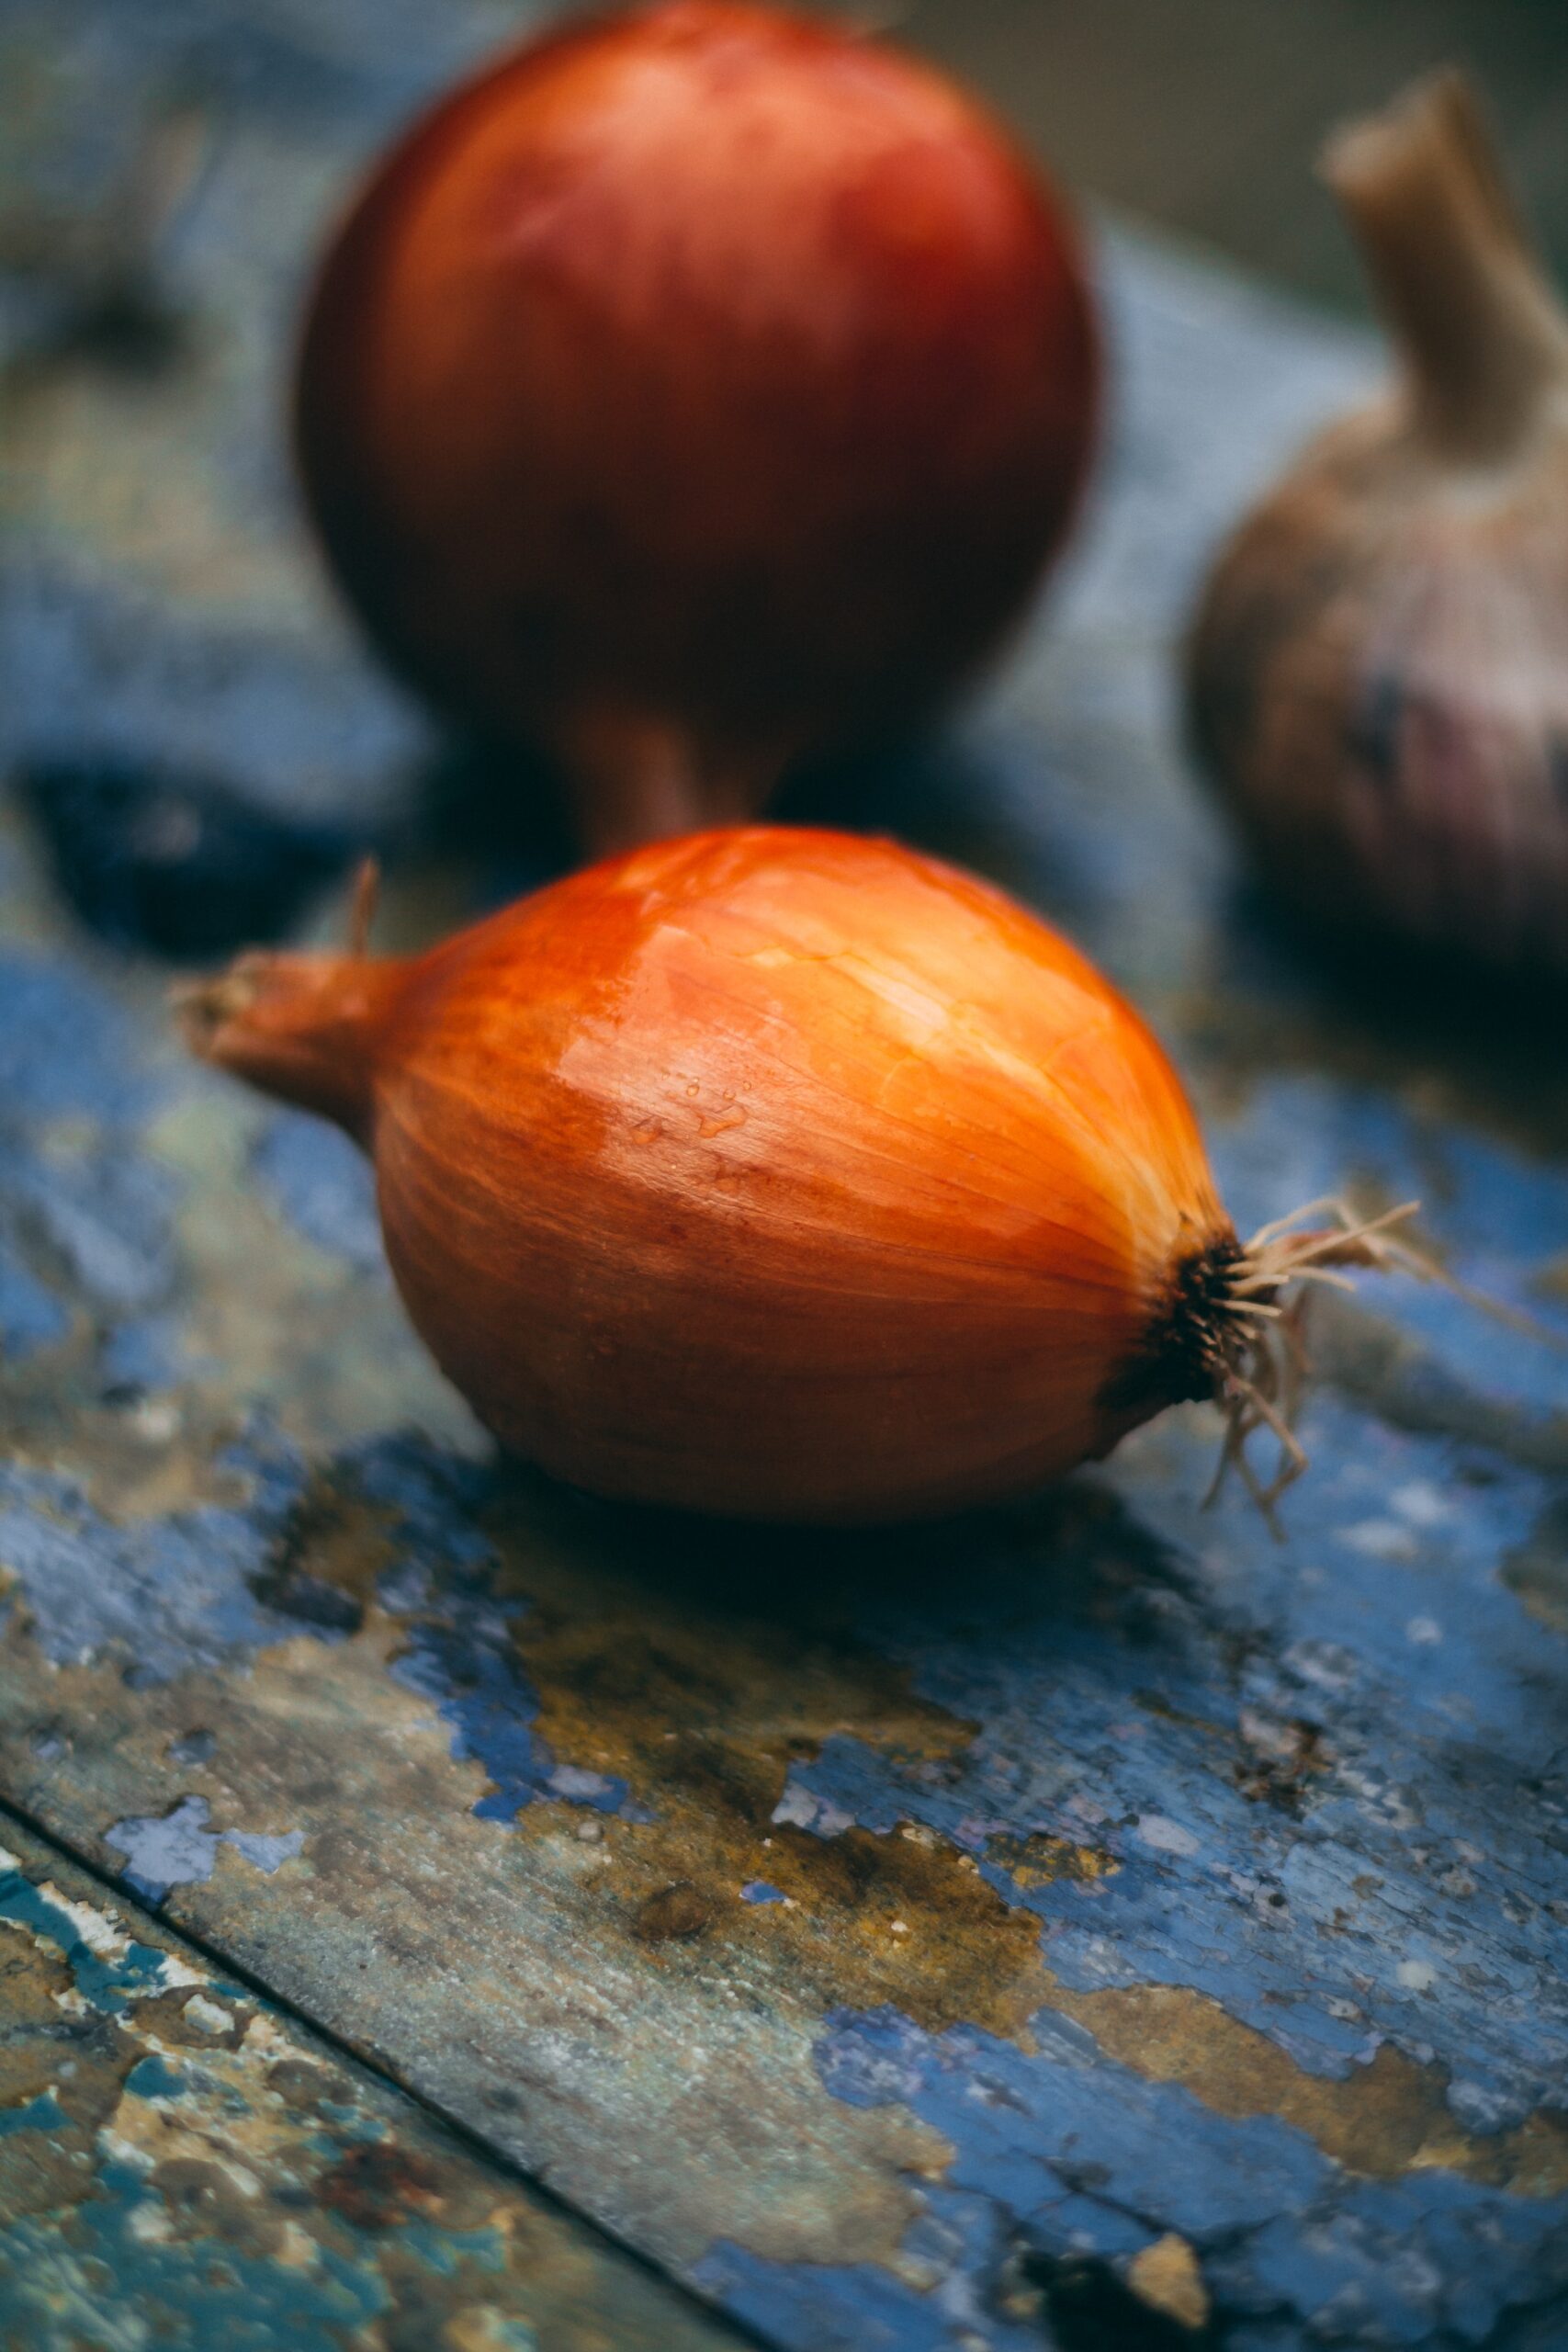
(698, 388)
(785, 1174)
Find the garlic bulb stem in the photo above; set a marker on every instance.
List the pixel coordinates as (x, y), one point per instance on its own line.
(1484, 338)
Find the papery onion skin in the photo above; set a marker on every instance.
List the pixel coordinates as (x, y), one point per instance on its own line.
(697, 390)
(773, 1173)
(1377, 666)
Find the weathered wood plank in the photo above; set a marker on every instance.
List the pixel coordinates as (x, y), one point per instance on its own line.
(182, 2165)
(1095, 1909)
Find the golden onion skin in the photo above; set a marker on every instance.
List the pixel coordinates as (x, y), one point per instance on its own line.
(766, 1172)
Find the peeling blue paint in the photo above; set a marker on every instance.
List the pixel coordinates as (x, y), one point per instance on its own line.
(1276, 2220)
(156, 1595)
(156, 2078)
(467, 1663)
(177, 1849)
(463, 1655)
(1431, 2258)
(106, 1983)
(323, 1185)
(252, 2206)
(1025, 2126)
(1149, 1663)
(469, 1668)
(31, 1317)
(462, 1645)
(66, 1045)
(853, 2308)
(105, 1216)
(44, 2113)
(443, 2250)
(204, 2294)
(146, 1354)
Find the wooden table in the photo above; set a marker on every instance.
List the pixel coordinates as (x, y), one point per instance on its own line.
(1112, 1928)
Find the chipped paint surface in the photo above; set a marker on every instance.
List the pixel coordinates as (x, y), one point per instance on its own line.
(176, 1849)
(1088, 1918)
(181, 2166)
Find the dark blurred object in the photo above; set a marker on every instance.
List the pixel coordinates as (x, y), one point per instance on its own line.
(177, 864)
(694, 391)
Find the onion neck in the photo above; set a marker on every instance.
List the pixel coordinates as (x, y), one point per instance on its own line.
(634, 779)
(1178, 1358)
(1484, 338)
(305, 1029)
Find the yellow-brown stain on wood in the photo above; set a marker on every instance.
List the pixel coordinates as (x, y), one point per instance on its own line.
(1042, 1859)
(703, 1695)
(424, 1930)
(703, 1714)
(1384, 2119)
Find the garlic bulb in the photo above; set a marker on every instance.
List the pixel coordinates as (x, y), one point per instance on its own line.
(1379, 666)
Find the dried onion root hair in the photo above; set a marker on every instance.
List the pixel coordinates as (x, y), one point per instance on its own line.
(1259, 1357)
